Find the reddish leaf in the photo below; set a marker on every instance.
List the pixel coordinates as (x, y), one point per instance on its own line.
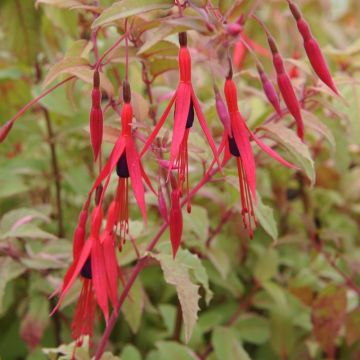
(328, 315)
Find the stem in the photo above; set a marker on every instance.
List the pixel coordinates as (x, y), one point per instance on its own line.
(140, 265)
(37, 99)
(108, 51)
(56, 171)
(218, 229)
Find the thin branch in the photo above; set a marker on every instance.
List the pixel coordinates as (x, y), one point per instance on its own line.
(218, 229)
(36, 100)
(55, 170)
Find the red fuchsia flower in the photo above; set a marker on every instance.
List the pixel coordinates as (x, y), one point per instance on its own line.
(186, 104)
(96, 265)
(286, 88)
(312, 49)
(125, 158)
(237, 144)
(96, 117)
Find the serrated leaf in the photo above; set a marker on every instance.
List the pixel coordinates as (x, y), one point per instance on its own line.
(123, 9)
(177, 274)
(227, 346)
(294, 146)
(197, 270)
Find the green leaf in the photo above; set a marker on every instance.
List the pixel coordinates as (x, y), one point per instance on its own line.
(21, 24)
(227, 346)
(265, 215)
(66, 351)
(9, 270)
(311, 121)
(123, 9)
(177, 274)
(134, 306)
(253, 328)
(129, 352)
(27, 231)
(175, 351)
(160, 66)
(198, 223)
(66, 4)
(295, 147)
(266, 266)
(35, 321)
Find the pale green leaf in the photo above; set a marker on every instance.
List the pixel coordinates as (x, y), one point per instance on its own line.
(134, 306)
(295, 147)
(175, 351)
(123, 9)
(9, 270)
(265, 215)
(177, 274)
(227, 346)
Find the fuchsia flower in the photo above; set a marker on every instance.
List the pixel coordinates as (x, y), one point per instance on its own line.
(237, 144)
(94, 259)
(96, 265)
(185, 103)
(125, 158)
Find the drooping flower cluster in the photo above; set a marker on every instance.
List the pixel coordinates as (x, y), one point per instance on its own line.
(94, 251)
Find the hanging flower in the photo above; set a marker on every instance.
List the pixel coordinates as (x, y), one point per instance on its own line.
(96, 266)
(186, 105)
(125, 158)
(237, 144)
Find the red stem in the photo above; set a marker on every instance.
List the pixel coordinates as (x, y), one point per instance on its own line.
(37, 99)
(140, 265)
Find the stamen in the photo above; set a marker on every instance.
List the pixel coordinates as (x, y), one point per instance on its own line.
(84, 317)
(122, 199)
(247, 213)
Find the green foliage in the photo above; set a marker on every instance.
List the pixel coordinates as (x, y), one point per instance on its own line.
(292, 292)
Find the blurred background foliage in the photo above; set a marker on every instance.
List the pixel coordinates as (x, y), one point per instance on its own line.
(290, 293)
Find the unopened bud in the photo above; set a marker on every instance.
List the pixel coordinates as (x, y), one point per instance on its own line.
(96, 80)
(126, 92)
(183, 39)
